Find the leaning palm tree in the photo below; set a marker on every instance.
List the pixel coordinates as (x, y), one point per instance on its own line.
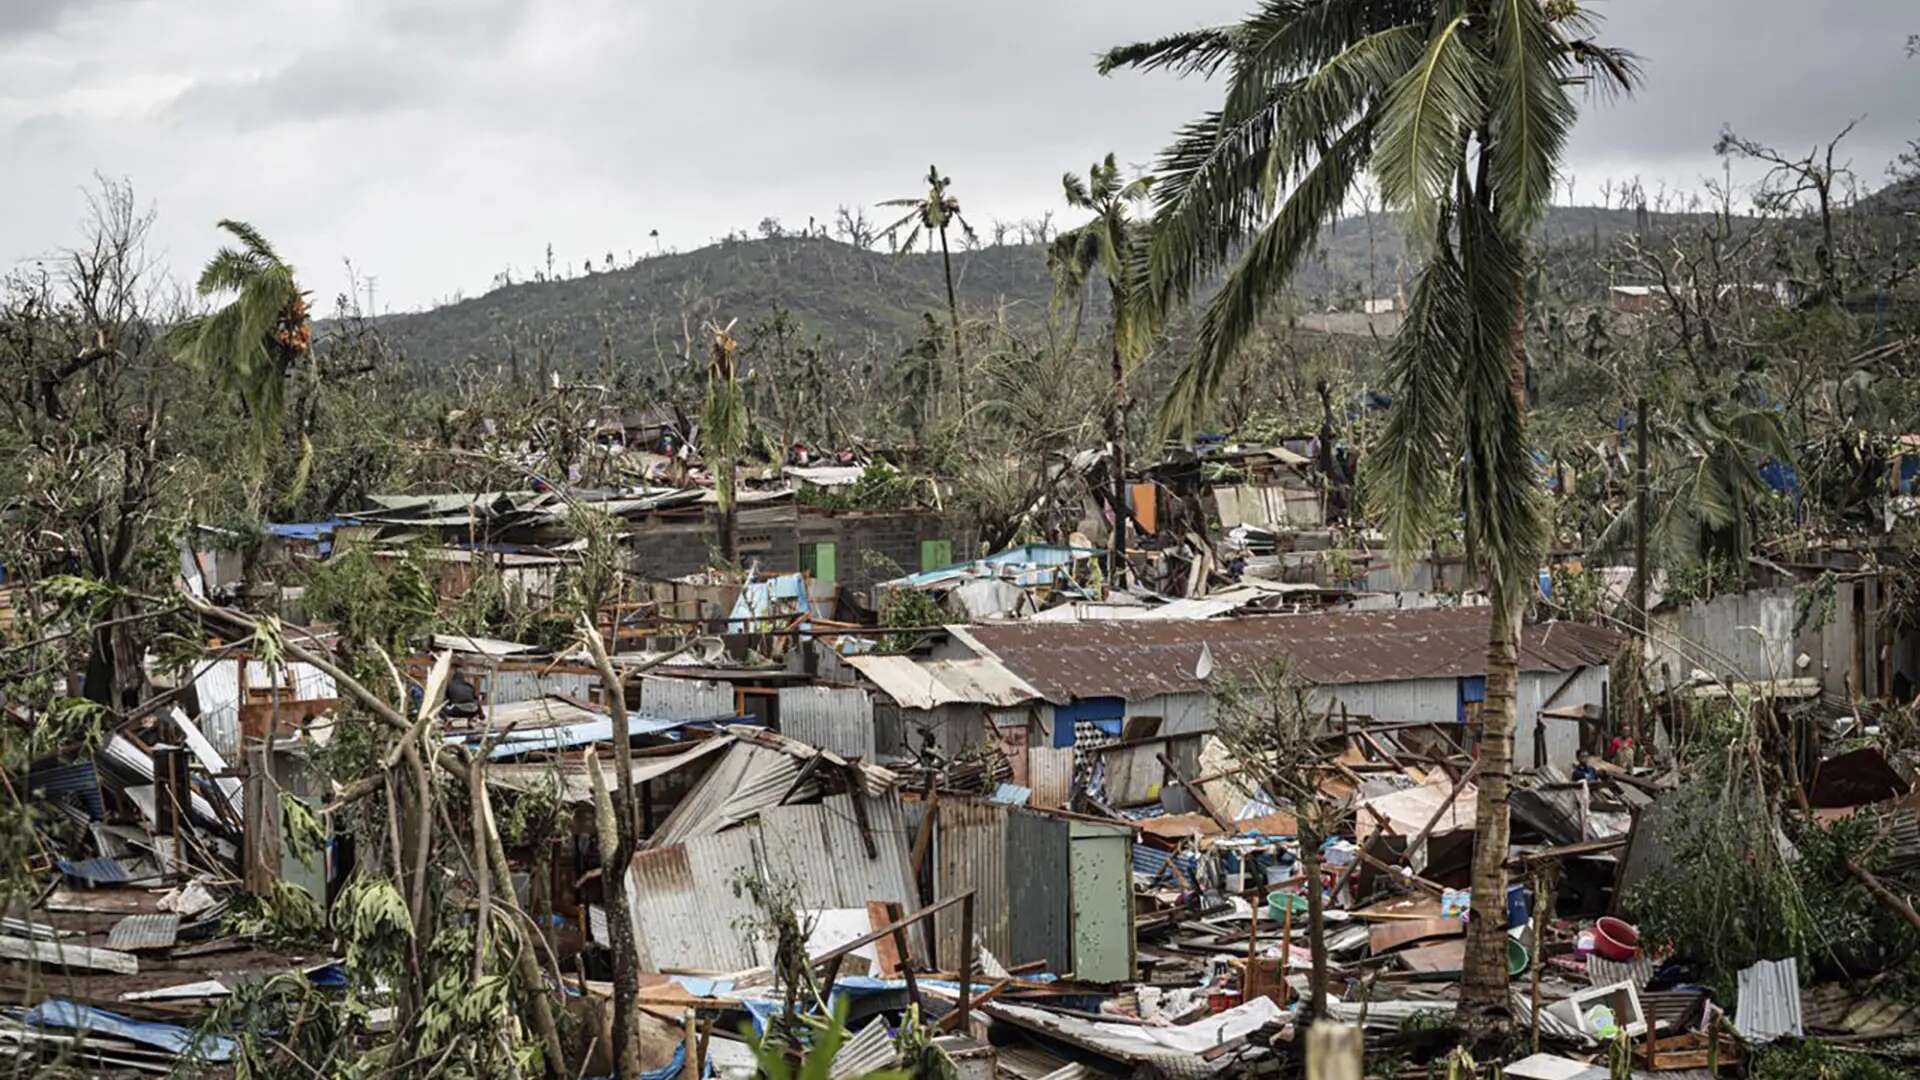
(1112, 245)
(928, 216)
(1461, 109)
(251, 344)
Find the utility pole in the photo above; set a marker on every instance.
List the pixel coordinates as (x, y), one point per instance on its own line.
(1642, 619)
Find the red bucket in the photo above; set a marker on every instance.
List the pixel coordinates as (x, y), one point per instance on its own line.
(1615, 940)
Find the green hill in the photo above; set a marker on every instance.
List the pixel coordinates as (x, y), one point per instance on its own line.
(851, 297)
(860, 300)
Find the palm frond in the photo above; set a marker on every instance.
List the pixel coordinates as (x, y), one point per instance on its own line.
(1196, 52)
(1531, 113)
(1329, 99)
(1208, 197)
(1076, 189)
(1503, 483)
(1409, 474)
(1607, 72)
(256, 244)
(1261, 273)
(1422, 124)
(1286, 39)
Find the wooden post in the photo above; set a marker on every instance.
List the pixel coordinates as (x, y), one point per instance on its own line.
(966, 961)
(1333, 1051)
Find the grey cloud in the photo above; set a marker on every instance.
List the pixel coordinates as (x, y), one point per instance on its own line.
(463, 135)
(322, 85)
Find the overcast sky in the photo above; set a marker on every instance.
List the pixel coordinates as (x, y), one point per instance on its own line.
(436, 142)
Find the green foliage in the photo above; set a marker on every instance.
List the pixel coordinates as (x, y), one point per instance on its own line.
(1814, 1059)
(1736, 889)
(816, 1060)
(908, 607)
(287, 917)
(880, 487)
(387, 601)
(300, 831)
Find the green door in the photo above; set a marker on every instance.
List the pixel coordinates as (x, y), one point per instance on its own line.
(935, 554)
(1102, 903)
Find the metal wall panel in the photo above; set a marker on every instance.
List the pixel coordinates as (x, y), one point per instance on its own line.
(836, 720)
(1050, 775)
(686, 699)
(1102, 877)
(1039, 891)
(970, 852)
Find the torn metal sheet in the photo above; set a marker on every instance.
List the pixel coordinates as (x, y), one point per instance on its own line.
(193, 991)
(138, 932)
(62, 954)
(167, 1037)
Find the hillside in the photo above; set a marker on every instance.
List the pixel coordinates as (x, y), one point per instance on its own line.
(849, 296)
(857, 299)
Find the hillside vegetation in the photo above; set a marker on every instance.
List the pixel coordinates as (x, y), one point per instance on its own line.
(856, 300)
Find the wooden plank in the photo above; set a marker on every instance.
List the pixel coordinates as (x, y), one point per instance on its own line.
(1442, 958)
(60, 954)
(1387, 937)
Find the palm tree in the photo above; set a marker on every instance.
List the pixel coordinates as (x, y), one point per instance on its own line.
(1461, 109)
(250, 345)
(929, 216)
(1113, 245)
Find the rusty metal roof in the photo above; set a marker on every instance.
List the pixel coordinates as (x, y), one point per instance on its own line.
(1141, 658)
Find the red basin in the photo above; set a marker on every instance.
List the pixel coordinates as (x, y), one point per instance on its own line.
(1615, 940)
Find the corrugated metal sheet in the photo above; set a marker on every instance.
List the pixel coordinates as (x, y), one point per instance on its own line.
(687, 913)
(507, 686)
(575, 785)
(1050, 775)
(686, 699)
(970, 852)
(1604, 972)
(831, 719)
(135, 932)
(748, 779)
(1040, 895)
(868, 1052)
(1769, 1002)
(929, 684)
(1137, 658)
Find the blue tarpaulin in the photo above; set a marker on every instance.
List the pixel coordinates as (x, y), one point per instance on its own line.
(176, 1040)
(759, 600)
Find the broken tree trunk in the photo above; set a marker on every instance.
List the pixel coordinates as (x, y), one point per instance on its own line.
(613, 886)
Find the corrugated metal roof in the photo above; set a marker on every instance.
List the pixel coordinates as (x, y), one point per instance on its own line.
(1769, 1002)
(1139, 658)
(576, 787)
(929, 684)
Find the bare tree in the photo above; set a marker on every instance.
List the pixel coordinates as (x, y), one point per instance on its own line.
(1271, 727)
